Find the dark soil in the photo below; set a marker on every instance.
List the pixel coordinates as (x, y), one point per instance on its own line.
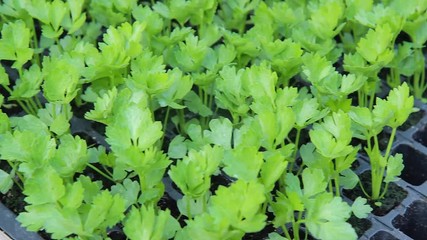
(415, 171)
(394, 196)
(414, 222)
(117, 235)
(14, 200)
(360, 225)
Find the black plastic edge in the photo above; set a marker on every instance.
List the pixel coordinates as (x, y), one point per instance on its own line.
(13, 228)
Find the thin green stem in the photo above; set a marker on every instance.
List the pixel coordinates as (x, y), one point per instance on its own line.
(35, 43)
(25, 107)
(376, 182)
(100, 172)
(108, 171)
(21, 178)
(20, 186)
(376, 174)
(337, 184)
(20, 103)
(188, 203)
(211, 96)
(53, 110)
(37, 100)
(368, 142)
(300, 169)
(384, 190)
(64, 110)
(371, 99)
(306, 235)
(416, 80)
(285, 230)
(390, 142)
(297, 139)
(32, 105)
(423, 80)
(165, 124)
(360, 98)
(181, 123)
(363, 189)
(295, 225)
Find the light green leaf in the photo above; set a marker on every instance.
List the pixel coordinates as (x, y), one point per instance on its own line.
(129, 190)
(240, 204)
(74, 196)
(272, 169)
(29, 84)
(394, 168)
(336, 230)
(147, 223)
(192, 174)
(360, 208)
(275, 236)
(375, 47)
(220, 132)
(15, 43)
(70, 157)
(133, 126)
(326, 216)
(4, 78)
(6, 181)
(61, 75)
(105, 211)
(45, 186)
(103, 107)
(335, 130)
(402, 104)
(180, 87)
(196, 105)
(177, 147)
(348, 179)
(314, 182)
(243, 163)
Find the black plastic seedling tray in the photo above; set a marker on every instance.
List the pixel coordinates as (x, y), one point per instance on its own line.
(12, 228)
(408, 220)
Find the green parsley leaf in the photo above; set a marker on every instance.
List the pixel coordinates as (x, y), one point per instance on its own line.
(15, 43)
(147, 223)
(394, 167)
(70, 157)
(360, 209)
(243, 163)
(6, 181)
(45, 186)
(240, 205)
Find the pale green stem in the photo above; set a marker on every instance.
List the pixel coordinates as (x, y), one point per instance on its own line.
(100, 172)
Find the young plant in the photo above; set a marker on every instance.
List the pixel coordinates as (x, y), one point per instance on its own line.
(416, 30)
(391, 112)
(331, 151)
(370, 58)
(232, 212)
(306, 202)
(192, 175)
